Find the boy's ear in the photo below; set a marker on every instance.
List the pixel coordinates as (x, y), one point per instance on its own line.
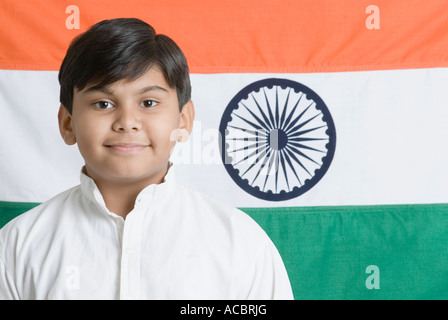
(65, 126)
(186, 120)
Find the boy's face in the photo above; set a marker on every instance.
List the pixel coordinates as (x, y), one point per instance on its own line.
(126, 131)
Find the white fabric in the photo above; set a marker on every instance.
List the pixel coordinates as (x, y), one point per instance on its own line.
(175, 244)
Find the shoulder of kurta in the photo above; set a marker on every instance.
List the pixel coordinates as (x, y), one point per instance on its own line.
(239, 225)
(43, 211)
(32, 225)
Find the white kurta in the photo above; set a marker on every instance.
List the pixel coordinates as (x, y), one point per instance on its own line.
(175, 244)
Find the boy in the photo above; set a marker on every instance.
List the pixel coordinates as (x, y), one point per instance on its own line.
(129, 230)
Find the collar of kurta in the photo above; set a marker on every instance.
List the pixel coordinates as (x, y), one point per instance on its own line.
(150, 196)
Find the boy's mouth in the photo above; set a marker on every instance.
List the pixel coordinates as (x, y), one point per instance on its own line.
(127, 147)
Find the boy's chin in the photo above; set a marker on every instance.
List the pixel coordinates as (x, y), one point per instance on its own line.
(133, 174)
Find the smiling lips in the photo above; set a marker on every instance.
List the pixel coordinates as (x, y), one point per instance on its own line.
(127, 147)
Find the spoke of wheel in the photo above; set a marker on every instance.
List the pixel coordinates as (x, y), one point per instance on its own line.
(300, 125)
(255, 145)
(297, 151)
(282, 160)
(266, 158)
(291, 154)
(248, 122)
(255, 133)
(299, 133)
(277, 116)
(265, 118)
(276, 168)
(269, 171)
(262, 154)
(252, 154)
(292, 112)
(293, 122)
(299, 145)
(271, 116)
(251, 139)
(297, 139)
(287, 157)
(282, 118)
(261, 122)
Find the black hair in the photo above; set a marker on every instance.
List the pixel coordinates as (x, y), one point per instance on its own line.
(117, 49)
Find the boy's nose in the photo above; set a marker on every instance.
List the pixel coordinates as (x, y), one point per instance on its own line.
(127, 121)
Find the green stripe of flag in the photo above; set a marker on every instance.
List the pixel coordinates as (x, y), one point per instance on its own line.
(327, 250)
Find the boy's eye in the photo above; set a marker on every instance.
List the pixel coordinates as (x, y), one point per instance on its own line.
(148, 104)
(103, 105)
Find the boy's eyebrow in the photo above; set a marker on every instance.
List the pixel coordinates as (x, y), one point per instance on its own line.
(97, 88)
(141, 91)
(152, 88)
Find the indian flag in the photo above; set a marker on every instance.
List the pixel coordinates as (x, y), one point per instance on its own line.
(326, 121)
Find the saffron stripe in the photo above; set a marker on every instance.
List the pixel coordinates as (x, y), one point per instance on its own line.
(243, 36)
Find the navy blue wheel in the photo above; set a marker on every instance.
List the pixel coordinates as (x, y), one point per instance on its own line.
(278, 139)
